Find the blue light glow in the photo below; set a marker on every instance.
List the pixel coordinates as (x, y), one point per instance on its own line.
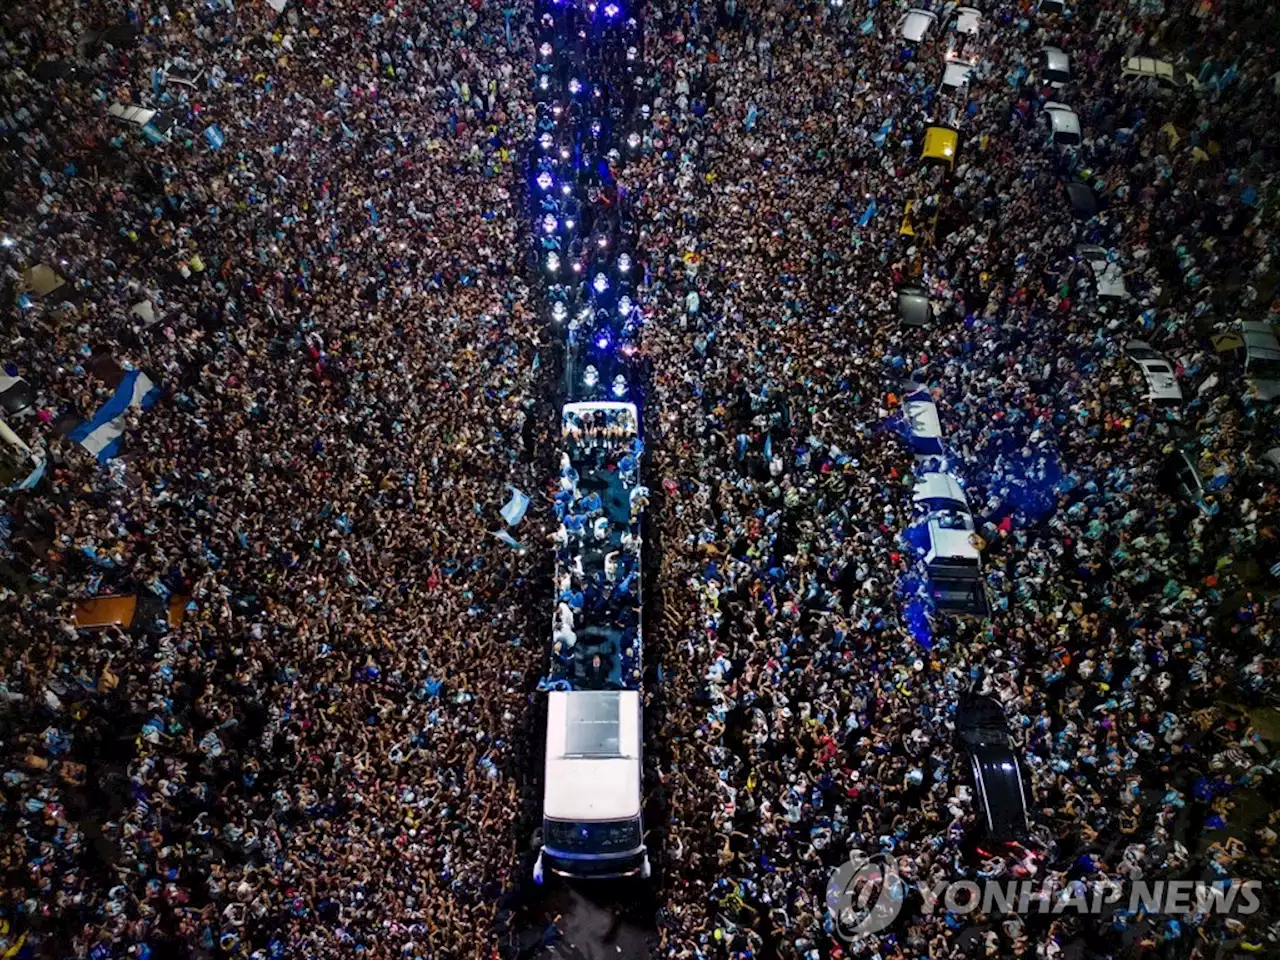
(553, 262)
(549, 223)
(624, 306)
(624, 262)
(595, 128)
(600, 283)
(602, 342)
(590, 376)
(611, 10)
(619, 387)
(575, 86)
(546, 141)
(558, 311)
(546, 49)
(545, 180)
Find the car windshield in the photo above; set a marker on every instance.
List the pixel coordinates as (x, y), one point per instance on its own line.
(1158, 368)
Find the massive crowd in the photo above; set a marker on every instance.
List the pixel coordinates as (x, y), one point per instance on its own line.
(1124, 620)
(323, 757)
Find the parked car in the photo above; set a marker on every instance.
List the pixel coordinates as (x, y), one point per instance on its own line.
(1261, 359)
(968, 21)
(1164, 73)
(1180, 476)
(941, 144)
(915, 24)
(1082, 200)
(1063, 124)
(956, 71)
(997, 775)
(1057, 67)
(914, 309)
(17, 399)
(1107, 274)
(1161, 381)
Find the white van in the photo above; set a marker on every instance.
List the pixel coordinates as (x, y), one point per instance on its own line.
(592, 791)
(1162, 72)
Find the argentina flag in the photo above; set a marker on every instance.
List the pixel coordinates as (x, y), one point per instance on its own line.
(102, 433)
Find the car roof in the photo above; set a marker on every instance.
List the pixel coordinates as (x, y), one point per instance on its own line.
(1141, 349)
(913, 307)
(1082, 198)
(956, 73)
(1056, 59)
(916, 22)
(1063, 118)
(968, 20)
(1001, 788)
(1150, 67)
(940, 143)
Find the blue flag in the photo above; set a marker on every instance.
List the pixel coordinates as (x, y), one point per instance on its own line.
(214, 136)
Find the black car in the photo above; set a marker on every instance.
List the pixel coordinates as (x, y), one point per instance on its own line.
(914, 309)
(997, 774)
(1082, 200)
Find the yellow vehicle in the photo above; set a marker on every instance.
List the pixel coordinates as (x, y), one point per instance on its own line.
(940, 144)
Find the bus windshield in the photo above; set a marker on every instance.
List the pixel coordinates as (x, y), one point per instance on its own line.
(611, 836)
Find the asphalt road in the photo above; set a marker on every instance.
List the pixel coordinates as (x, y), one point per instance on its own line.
(606, 920)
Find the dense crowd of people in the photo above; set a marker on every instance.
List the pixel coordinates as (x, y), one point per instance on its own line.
(322, 756)
(787, 148)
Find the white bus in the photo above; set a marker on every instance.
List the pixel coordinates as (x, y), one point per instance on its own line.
(592, 788)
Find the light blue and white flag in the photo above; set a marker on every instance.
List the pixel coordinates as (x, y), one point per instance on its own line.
(515, 509)
(214, 136)
(101, 434)
(34, 477)
(509, 540)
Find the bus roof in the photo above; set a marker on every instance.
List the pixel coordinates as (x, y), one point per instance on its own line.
(593, 755)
